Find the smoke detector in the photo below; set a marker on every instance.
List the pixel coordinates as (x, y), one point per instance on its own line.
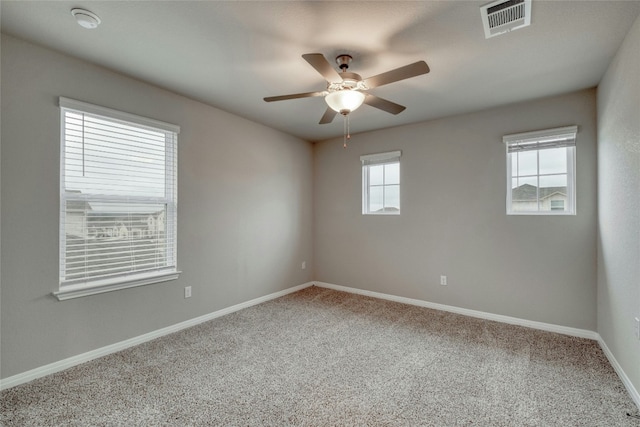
(86, 19)
(503, 16)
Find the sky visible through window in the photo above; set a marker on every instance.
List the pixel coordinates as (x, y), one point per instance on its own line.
(384, 187)
(548, 165)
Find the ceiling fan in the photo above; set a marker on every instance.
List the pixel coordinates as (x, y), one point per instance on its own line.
(347, 91)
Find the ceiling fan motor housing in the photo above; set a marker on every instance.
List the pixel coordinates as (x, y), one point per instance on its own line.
(350, 81)
(343, 61)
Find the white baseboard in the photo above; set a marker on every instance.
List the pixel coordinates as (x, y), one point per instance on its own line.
(103, 351)
(581, 333)
(122, 345)
(623, 376)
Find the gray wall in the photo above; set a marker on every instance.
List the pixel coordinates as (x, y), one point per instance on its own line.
(619, 205)
(245, 211)
(453, 220)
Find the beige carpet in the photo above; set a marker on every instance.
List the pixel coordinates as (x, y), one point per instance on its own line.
(320, 357)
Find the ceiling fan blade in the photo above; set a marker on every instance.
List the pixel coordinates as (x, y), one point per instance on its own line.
(328, 116)
(383, 104)
(408, 71)
(293, 96)
(320, 63)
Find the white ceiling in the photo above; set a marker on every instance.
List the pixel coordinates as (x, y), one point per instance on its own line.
(232, 54)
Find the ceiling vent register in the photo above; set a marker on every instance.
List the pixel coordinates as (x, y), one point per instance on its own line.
(502, 16)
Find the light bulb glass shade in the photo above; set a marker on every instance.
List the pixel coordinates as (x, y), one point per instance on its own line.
(345, 100)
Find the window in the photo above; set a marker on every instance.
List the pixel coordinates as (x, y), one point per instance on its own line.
(381, 183)
(541, 172)
(118, 200)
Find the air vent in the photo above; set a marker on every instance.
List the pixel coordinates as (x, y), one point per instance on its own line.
(502, 16)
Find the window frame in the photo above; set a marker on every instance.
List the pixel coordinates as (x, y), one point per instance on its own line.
(541, 140)
(368, 160)
(75, 288)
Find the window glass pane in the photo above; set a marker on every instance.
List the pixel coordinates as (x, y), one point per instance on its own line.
(106, 239)
(514, 183)
(522, 206)
(553, 160)
(527, 163)
(392, 173)
(524, 188)
(557, 205)
(514, 163)
(392, 198)
(553, 182)
(552, 188)
(376, 176)
(524, 194)
(375, 199)
(111, 158)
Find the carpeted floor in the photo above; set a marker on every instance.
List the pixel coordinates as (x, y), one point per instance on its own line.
(319, 357)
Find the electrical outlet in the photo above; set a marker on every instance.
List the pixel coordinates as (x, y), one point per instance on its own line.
(187, 291)
(304, 264)
(443, 280)
(637, 327)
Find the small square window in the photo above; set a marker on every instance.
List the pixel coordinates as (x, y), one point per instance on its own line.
(541, 172)
(381, 183)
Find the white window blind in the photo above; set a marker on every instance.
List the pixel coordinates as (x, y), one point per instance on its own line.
(381, 183)
(380, 158)
(539, 140)
(118, 199)
(541, 172)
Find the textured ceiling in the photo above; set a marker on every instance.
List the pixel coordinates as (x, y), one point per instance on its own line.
(232, 54)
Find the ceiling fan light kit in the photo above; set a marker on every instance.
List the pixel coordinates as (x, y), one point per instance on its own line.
(345, 97)
(347, 91)
(344, 101)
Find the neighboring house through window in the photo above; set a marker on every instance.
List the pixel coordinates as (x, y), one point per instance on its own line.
(381, 183)
(118, 200)
(541, 172)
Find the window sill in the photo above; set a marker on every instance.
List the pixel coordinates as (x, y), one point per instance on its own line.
(381, 213)
(542, 213)
(98, 287)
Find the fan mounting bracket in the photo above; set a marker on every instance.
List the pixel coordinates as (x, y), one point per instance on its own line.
(343, 61)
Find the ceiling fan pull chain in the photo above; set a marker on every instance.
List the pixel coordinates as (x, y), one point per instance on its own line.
(347, 131)
(346, 119)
